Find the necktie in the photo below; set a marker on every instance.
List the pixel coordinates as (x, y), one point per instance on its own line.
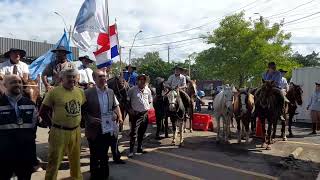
(15, 69)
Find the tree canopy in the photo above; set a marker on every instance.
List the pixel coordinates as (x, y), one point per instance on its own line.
(241, 49)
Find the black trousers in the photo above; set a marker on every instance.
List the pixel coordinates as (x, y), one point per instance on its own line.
(99, 148)
(23, 172)
(115, 149)
(139, 125)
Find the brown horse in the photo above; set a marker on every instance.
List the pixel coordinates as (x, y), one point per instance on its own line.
(191, 91)
(242, 108)
(294, 95)
(269, 104)
(32, 91)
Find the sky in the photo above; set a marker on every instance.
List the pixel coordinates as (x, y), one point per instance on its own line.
(35, 20)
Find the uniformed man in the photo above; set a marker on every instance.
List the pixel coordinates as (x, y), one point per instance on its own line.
(85, 73)
(14, 65)
(53, 69)
(18, 116)
(65, 101)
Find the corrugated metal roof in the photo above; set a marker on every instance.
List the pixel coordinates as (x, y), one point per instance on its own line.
(33, 49)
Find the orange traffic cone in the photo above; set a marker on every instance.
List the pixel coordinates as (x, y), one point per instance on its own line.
(258, 128)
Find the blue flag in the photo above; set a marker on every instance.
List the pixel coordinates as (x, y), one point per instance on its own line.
(38, 65)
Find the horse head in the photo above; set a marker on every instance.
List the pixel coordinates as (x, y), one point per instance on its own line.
(296, 92)
(173, 96)
(228, 94)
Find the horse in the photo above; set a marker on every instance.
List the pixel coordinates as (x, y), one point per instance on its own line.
(31, 90)
(191, 90)
(294, 95)
(269, 105)
(159, 103)
(120, 88)
(242, 108)
(178, 103)
(223, 108)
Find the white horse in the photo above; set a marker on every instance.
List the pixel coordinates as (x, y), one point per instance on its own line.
(176, 113)
(223, 108)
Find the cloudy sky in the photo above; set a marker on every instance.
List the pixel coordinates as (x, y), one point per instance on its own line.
(35, 20)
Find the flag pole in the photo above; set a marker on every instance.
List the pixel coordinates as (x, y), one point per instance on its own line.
(108, 28)
(119, 47)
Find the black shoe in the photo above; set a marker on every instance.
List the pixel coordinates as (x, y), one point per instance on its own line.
(119, 161)
(141, 151)
(313, 133)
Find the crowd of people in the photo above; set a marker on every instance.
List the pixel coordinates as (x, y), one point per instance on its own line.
(80, 94)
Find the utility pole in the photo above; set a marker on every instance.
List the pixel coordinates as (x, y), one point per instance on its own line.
(70, 31)
(168, 54)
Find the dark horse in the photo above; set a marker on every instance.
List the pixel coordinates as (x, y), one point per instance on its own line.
(269, 104)
(160, 102)
(294, 95)
(120, 89)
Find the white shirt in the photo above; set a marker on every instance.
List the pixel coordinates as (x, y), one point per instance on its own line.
(6, 68)
(85, 75)
(140, 99)
(284, 84)
(109, 126)
(177, 81)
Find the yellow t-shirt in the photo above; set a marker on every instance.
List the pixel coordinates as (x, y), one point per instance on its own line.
(66, 105)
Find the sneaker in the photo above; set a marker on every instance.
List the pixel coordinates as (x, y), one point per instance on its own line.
(130, 155)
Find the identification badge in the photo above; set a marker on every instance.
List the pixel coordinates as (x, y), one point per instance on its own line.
(19, 121)
(106, 120)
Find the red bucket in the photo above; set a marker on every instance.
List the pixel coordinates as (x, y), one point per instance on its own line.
(203, 122)
(152, 116)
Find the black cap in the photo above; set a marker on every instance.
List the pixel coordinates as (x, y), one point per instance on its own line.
(271, 64)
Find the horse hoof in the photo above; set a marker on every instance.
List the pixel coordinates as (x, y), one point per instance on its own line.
(284, 139)
(173, 142)
(263, 145)
(273, 141)
(191, 131)
(239, 141)
(184, 131)
(268, 147)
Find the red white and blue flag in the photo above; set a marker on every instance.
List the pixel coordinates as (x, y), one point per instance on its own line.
(108, 47)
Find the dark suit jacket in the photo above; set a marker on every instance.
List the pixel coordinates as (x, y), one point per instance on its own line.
(91, 109)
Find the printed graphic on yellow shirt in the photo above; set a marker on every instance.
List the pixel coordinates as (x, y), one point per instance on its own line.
(73, 108)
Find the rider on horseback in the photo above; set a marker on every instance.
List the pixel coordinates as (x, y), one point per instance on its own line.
(273, 74)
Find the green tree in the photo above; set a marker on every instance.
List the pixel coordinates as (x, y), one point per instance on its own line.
(308, 60)
(152, 65)
(241, 49)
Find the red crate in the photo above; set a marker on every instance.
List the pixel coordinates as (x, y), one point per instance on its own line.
(203, 122)
(152, 116)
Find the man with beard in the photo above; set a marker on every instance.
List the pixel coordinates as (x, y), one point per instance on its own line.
(53, 69)
(65, 101)
(18, 116)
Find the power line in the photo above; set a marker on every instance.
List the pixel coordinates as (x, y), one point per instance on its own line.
(165, 43)
(197, 27)
(301, 18)
(291, 9)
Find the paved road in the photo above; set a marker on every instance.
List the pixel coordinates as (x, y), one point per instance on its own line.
(202, 158)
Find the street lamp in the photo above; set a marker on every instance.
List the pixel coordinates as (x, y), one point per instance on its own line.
(130, 50)
(65, 24)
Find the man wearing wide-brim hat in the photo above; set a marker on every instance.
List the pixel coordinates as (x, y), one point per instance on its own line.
(85, 73)
(284, 83)
(177, 80)
(14, 65)
(140, 99)
(130, 75)
(53, 69)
